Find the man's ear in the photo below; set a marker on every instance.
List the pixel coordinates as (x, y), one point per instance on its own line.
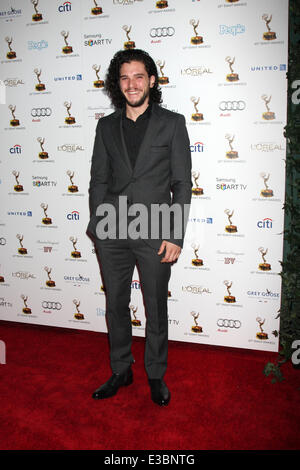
(152, 81)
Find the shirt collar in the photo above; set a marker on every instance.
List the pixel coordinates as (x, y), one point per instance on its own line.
(146, 114)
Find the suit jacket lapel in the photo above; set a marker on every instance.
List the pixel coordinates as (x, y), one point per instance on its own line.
(119, 141)
(118, 138)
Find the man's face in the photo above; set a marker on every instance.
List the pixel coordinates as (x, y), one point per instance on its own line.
(135, 83)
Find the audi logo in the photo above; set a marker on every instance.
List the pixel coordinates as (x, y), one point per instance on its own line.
(232, 105)
(52, 305)
(162, 32)
(2, 241)
(229, 323)
(39, 112)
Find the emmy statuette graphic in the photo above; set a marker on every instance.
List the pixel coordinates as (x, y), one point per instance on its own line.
(134, 321)
(267, 115)
(232, 153)
(39, 86)
(196, 328)
(66, 49)
(267, 192)
(230, 228)
(45, 220)
(21, 250)
(196, 116)
(261, 334)
(163, 80)
(13, 122)
(196, 261)
(42, 155)
(11, 54)
(231, 77)
(37, 16)
(264, 266)
(196, 39)
(269, 35)
(72, 188)
(196, 191)
(17, 187)
(25, 309)
(75, 253)
(98, 83)
(78, 315)
(96, 10)
(162, 4)
(49, 282)
(128, 44)
(229, 299)
(69, 119)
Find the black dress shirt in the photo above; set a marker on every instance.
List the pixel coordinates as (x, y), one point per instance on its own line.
(134, 133)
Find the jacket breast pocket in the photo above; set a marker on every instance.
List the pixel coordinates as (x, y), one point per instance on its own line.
(159, 148)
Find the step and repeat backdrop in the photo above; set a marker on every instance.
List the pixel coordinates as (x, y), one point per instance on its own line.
(222, 64)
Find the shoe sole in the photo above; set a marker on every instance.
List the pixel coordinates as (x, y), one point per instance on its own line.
(165, 403)
(129, 381)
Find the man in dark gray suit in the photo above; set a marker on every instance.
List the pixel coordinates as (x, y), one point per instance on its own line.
(142, 156)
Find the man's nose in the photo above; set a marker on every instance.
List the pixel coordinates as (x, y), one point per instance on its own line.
(131, 83)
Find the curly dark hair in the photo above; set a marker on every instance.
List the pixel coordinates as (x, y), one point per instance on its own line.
(112, 86)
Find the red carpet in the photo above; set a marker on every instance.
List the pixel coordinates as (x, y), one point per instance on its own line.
(220, 398)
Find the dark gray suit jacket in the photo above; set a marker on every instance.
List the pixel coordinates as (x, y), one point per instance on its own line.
(162, 173)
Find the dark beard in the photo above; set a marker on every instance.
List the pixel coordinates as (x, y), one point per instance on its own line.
(140, 102)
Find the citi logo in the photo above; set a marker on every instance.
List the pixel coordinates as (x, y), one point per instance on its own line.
(15, 149)
(197, 147)
(74, 215)
(265, 223)
(135, 284)
(67, 6)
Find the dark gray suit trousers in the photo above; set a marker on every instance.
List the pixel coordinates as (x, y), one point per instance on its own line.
(118, 259)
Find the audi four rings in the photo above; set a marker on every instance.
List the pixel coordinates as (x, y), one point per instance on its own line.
(38, 112)
(229, 323)
(52, 305)
(232, 105)
(162, 32)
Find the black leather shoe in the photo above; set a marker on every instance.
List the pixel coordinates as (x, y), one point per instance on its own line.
(159, 392)
(111, 387)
